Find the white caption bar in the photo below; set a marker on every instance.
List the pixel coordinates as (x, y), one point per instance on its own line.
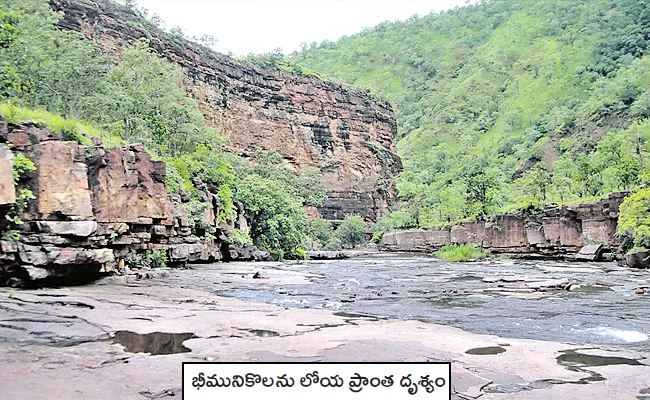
(316, 381)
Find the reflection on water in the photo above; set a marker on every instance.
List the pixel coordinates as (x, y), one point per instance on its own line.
(486, 351)
(263, 333)
(156, 343)
(571, 358)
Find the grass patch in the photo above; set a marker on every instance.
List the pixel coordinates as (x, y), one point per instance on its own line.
(68, 129)
(461, 252)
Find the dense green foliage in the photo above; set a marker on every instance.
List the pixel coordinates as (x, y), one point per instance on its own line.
(321, 232)
(278, 221)
(67, 84)
(240, 238)
(275, 60)
(457, 253)
(634, 219)
(352, 231)
(507, 104)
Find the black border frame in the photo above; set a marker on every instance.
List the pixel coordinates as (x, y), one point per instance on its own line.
(448, 363)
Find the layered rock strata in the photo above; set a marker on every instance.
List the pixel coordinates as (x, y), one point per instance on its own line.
(558, 232)
(347, 134)
(94, 207)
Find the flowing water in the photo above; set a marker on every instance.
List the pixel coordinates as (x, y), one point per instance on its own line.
(599, 305)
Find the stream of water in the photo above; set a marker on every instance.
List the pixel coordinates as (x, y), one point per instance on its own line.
(601, 306)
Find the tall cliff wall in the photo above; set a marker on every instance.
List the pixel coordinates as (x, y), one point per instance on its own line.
(347, 134)
(558, 232)
(95, 208)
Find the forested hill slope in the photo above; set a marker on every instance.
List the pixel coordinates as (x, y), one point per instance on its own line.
(507, 103)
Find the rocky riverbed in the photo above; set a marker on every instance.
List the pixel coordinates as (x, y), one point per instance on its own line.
(512, 330)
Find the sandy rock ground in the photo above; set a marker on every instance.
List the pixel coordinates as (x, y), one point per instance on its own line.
(110, 341)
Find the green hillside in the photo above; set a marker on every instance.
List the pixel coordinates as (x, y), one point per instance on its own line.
(507, 104)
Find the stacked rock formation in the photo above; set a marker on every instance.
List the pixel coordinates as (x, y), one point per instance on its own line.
(94, 207)
(558, 232)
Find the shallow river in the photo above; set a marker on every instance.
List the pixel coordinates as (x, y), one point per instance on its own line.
(601, 306)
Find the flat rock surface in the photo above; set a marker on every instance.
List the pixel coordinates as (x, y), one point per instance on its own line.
(108, 341)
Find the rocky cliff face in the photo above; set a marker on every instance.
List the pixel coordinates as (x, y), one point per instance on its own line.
(311, 122)
(558, 232)
(95, 209)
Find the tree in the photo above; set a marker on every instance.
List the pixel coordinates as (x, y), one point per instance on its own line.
(634, 218)
(307, 185)
(352, 231)
(130, 4)
(480, 193)
(148, 105)
(277, 219)
(42, 66)
(537, 181)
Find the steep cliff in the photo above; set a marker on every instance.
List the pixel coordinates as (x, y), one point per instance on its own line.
(347, 134)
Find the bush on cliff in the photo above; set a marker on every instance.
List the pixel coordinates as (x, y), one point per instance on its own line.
(394, 221)
(240, 238)
(461, 252)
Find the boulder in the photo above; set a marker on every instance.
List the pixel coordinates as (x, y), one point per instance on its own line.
(185, 252)
(68, 228)
(66, 256)
(591, 252)
(638, 260)
(18, 138)
(8, 247)
(128, 186)
(36, 273)
(102, 256)
(108, 229)
(159, 230)
(327, 255)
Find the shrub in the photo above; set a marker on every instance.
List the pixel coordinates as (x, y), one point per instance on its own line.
(296, 254)
(240, 238)
(635, 250)
(150, 259)
(461, 252)
(396, 220)
(321, 231)
(22, 165)
(352, 231)
(333, 245)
